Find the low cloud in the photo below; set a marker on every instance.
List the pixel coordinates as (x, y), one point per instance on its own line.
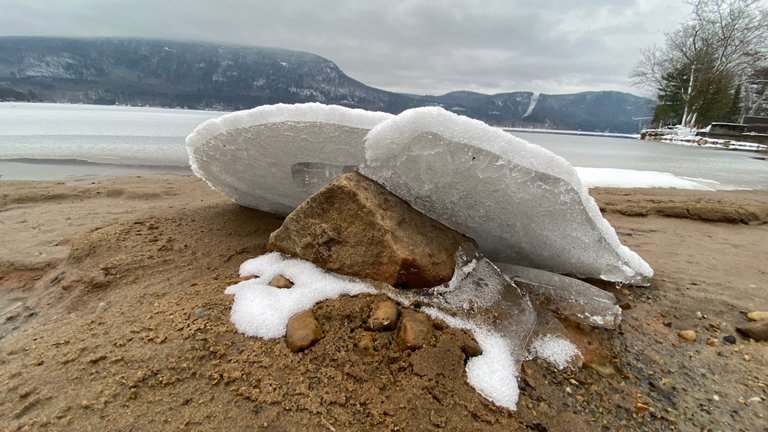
(414, 46)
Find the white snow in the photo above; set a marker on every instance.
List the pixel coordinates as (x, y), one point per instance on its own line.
(263, 311)
(523, 204)
(249, 155)
(494, 373)
(532, 105)
(624, 178)
(556, 350)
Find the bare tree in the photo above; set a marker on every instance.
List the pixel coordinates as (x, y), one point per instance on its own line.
(724, 42)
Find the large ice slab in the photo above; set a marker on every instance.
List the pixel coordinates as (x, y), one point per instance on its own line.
(267, 158)
(523, 204)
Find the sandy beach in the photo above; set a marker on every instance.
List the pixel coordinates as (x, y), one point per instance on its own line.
(113, 317)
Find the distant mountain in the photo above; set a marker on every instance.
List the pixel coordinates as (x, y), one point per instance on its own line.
(225, 77)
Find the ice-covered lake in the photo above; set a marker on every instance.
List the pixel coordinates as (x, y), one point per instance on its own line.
(52, 141)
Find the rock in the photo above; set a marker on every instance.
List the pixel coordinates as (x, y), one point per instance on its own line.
(384, 316)
(281, 281)
(302, 331)
(471, 348)
(414, 331)
(757, 330)
(365, 344)
(356, 227)
(688, 335)
(757, 315)
(711, 341)
(603, 369)
(729, 339)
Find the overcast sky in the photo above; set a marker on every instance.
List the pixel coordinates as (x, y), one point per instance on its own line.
(414, 46)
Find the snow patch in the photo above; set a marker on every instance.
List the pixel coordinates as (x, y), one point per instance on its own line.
(494, 373)
(263, 311)
(532, 104)
(556, 350)
(624, 178)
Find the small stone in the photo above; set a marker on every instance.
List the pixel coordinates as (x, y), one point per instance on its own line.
(729, 339)
(302, 331)
(715, 398)
(471, 348)
(757, 315)
(642, 407)
(699, 315)
(101, 308)
(281, 281)
(625, 306)
(602, 369)
(365, 344)
(414, 331)
(757, 330)
(384, 316)
(747, 357)
(688, 335)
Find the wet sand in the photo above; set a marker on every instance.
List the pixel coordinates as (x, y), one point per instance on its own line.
(113, 317)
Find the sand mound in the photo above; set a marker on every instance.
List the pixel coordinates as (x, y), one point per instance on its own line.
(125, 326)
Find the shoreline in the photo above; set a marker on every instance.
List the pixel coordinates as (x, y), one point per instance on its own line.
(117, 283)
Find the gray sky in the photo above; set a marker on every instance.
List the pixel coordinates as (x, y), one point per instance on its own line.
(414, 46)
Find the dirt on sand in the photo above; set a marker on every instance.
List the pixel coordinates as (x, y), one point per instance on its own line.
(113, 317)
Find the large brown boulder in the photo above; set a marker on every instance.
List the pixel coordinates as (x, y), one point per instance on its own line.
(356, 227)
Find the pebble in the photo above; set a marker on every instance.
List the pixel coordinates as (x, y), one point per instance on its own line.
(688, 335)
(730, 339)
(281, 281)
(302, 331)
(414, 331)
(715, 398)
(471, 348)
(101, 308)
(384, 316)
(757, 330)
(757, 315)
(365, 344)
(699, 315)
(711, 342)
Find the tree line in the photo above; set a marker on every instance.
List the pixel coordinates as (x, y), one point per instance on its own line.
(714, 67)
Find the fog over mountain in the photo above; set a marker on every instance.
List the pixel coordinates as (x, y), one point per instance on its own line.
(226, 77)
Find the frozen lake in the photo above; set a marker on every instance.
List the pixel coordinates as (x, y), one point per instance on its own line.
(53, 141)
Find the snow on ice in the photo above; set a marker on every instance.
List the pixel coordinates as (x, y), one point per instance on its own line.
(523, 204)
(250, 155)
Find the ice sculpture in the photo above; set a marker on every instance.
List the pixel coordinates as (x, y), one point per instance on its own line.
(523, 204)
(567, 296)
(253, 156)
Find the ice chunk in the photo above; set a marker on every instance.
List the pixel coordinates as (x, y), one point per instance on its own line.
(523, 204)
(480, 299)
(253, 156)
(567, 296)
(262, 310)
